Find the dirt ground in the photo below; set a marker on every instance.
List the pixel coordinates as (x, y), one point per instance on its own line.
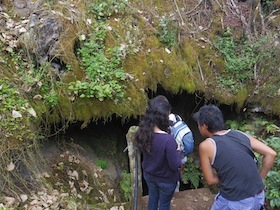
(198, 199)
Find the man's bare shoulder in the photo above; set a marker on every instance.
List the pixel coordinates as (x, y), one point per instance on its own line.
(206, 149)
(206, 142)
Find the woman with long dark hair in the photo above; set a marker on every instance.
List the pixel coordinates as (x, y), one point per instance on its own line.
(161, 154)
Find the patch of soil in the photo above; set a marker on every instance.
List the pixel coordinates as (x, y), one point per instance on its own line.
(195, 199)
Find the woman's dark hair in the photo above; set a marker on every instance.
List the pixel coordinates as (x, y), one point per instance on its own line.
(156, 114)
(211, 116)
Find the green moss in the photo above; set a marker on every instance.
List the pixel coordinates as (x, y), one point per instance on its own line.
(160, 67)
(67, 47)
(268, 100)
(177, 74)
(274, 106)
(191, 66)
(188, 50)
(152, 43)
(241, 97)
(219, 64)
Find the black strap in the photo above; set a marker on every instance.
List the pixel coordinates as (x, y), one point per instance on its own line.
(177, 118)
(250, 152)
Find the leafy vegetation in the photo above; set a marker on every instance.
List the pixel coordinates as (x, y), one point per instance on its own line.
(19, 135)
(167, 31)
(102, 10)
(268, 6)
(38, 81)
(240, 58)
(268, 132)
(33, 81)
(104, 73)
(192, 173)
(273, 177)
(103, 68)
(16, 114)
(102, 164)
(125, 184)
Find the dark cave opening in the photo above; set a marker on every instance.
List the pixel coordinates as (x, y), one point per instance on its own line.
(98, 135)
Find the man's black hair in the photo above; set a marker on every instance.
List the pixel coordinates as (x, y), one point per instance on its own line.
(211, 116)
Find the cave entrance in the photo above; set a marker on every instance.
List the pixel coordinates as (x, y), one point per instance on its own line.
(107, 140)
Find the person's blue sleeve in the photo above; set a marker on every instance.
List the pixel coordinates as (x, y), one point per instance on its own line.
(188, 142)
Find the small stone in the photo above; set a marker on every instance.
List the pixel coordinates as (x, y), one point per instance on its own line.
(205, 198)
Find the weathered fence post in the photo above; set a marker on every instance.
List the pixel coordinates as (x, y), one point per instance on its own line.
(135, 168)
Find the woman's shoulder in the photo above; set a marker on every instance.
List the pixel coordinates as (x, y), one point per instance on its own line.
(163, 135)
(160, 132)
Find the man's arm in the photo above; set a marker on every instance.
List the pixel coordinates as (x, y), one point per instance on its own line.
(268, 154)
(206, 151)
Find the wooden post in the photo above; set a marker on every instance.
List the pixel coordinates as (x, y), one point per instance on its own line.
(135, 169)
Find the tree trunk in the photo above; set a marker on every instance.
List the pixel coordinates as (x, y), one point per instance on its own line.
(135, 169)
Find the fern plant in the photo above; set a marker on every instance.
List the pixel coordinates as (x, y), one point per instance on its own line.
(125, 184)
(191, 174)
